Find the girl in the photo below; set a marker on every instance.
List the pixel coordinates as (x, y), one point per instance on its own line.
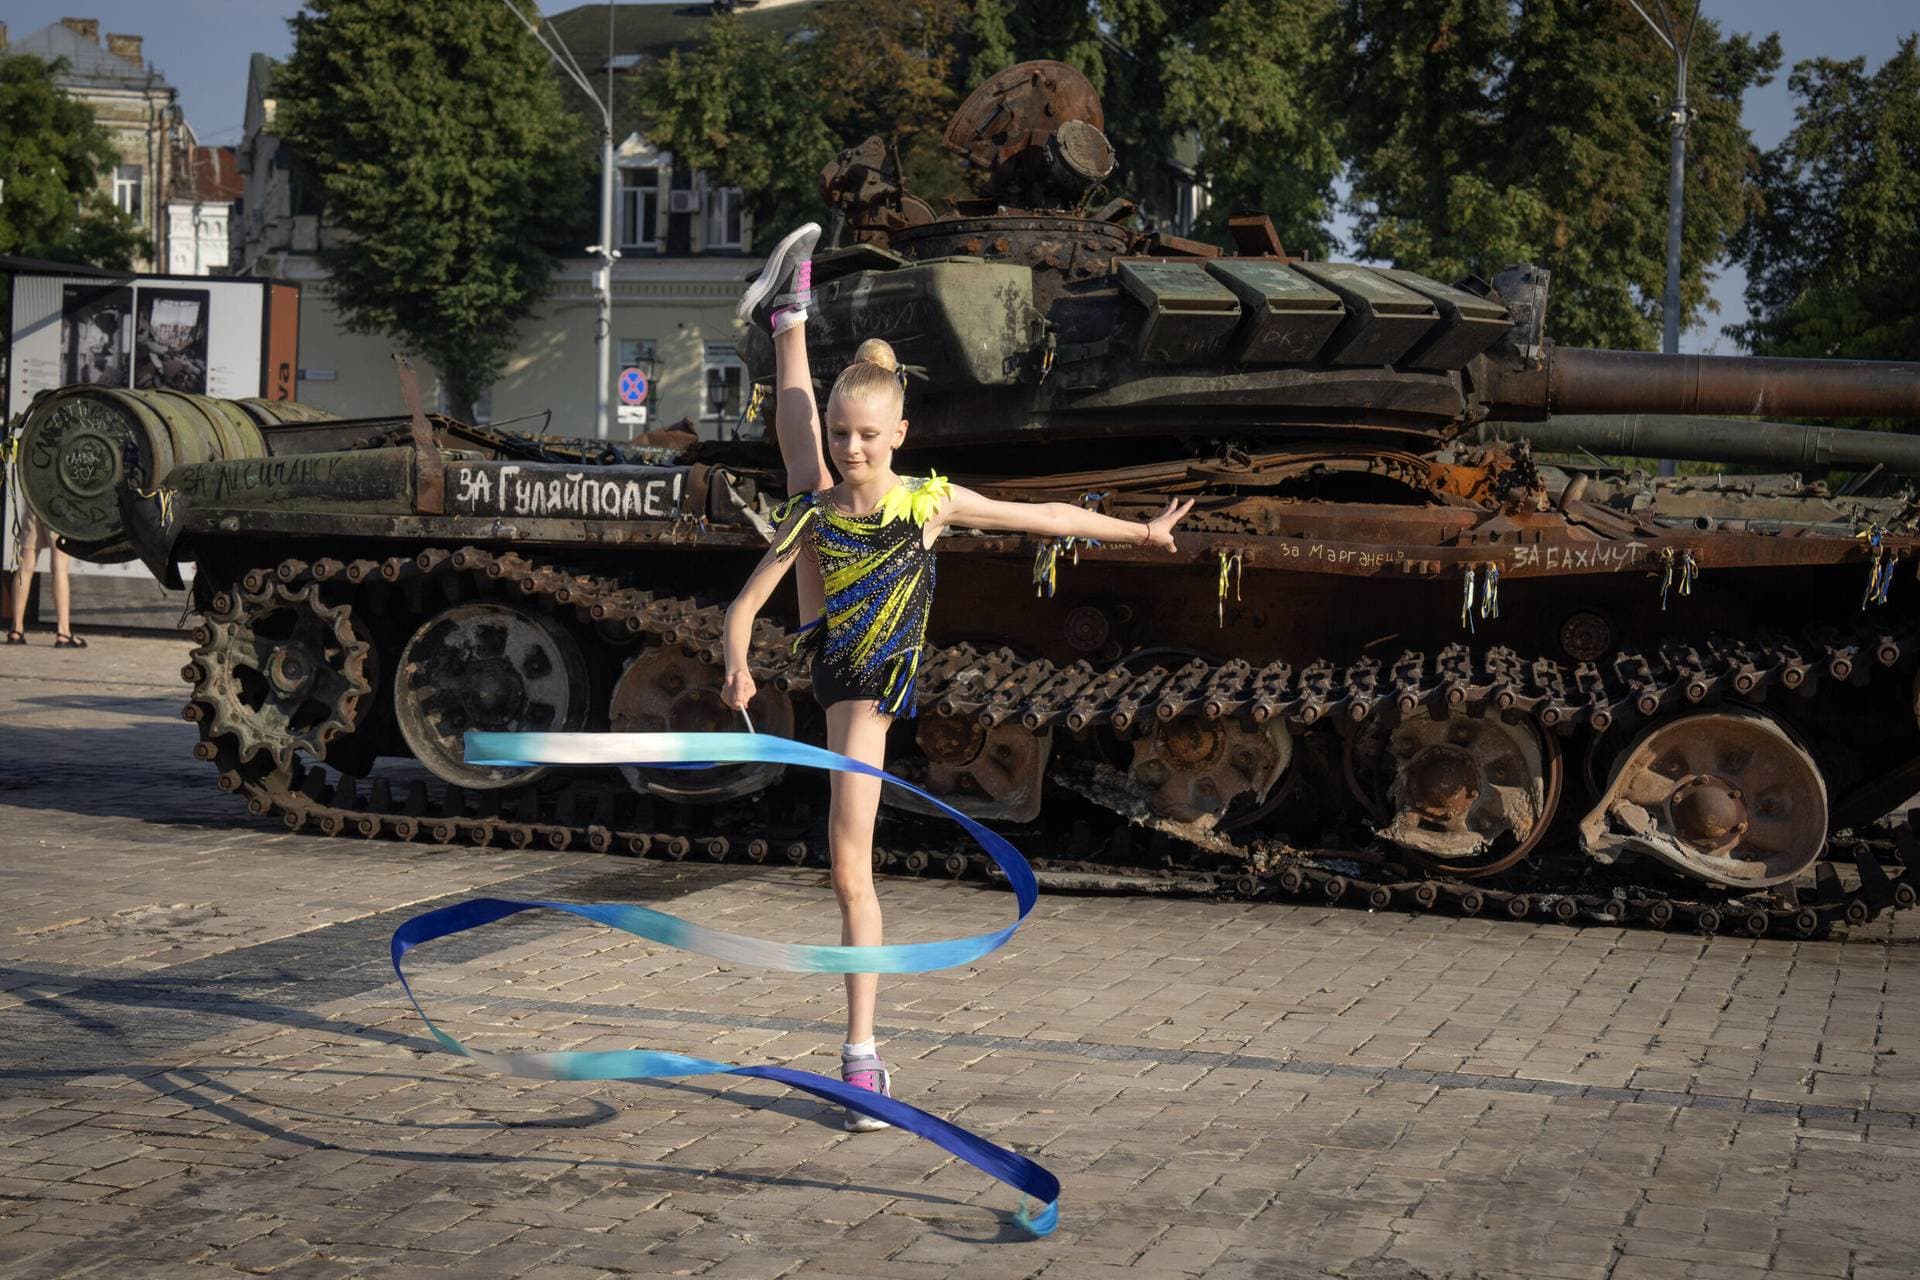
(868, 584)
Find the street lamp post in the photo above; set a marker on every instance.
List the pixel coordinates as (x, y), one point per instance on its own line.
(1682, 116)
(602, 277)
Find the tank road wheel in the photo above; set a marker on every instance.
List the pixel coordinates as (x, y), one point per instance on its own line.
(1193, 768)
(990, 774)
(1471, 795)
(286, 677)
(491, 667)
(665, 691)
(1727, 797)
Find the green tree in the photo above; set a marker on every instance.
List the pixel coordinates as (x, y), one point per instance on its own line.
(767, 114)
(51, 168)
(1230, 83)
(1481, 134)
(436, 136)
(746, 107)
(1235, 86)
(1833, 258)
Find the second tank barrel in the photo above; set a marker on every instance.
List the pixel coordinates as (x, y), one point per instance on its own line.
(1774, 444)
(1577, 380)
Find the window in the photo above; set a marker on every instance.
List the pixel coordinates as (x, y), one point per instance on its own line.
(723, 404)
(724, 206)
(126, 189)
(639, 208)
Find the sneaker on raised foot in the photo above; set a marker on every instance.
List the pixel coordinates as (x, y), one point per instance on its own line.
(871, 1074)
(794, 249)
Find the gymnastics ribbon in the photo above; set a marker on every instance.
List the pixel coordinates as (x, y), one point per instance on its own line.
(699, 751)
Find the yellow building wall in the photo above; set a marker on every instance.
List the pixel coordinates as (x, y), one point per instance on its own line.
(364, 381)
(554, 363)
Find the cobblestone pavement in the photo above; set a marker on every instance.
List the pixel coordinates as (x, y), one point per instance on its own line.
(206, 1070)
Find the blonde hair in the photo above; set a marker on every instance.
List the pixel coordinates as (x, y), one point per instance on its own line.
(875, 371)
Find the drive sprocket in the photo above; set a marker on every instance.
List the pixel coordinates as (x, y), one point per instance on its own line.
(284, 673)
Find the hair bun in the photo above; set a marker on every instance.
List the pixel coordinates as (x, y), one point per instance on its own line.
(878, 351)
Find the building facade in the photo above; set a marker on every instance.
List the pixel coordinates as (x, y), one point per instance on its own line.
(200, 210)
(684, 244)
(135, 105)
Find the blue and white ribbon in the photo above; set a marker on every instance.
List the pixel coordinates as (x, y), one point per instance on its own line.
(698, 751)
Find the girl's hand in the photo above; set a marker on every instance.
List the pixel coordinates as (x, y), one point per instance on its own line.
(738, 691)
(1160, 528)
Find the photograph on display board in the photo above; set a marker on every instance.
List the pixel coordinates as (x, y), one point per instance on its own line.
(171, 351)
(96, 335)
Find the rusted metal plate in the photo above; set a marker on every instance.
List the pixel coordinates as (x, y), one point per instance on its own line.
(430, 469)
(1018, 109)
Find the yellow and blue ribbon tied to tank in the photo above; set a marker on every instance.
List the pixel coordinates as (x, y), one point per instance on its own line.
(699, 751)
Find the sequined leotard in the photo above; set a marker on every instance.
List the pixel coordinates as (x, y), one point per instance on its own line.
(878, 575)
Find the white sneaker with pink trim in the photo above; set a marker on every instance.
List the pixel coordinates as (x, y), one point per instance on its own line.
(866, 1073)
(794, 252)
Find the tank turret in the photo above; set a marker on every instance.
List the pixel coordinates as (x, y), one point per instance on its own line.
(1032, 314)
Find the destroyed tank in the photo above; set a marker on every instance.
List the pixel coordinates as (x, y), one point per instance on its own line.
(1402, 658)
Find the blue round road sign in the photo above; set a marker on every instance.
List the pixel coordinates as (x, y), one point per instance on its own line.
(633, 386)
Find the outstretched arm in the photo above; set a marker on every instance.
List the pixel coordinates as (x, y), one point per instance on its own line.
(1060, 520)
(737, 634)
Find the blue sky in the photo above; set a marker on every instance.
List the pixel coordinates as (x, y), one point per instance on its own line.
(202, 46)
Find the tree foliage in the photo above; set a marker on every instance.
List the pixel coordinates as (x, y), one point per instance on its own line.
(1833, 258)
(1480, 134)
(744, 106)
(436, 135)
(1237, 86)
(1230, 83)
(52, 166)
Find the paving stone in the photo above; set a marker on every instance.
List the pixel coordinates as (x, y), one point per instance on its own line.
(205, 1069)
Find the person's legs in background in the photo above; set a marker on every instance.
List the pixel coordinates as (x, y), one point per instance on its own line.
(23, 580)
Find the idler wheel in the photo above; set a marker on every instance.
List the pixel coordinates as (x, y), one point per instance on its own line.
(486, 667)
(1727, 797)
(1471, 794)
(663, 690)
(285, 677)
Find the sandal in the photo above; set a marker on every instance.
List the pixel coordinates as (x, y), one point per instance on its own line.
(16, 637)
(67, 640)
(866, 1073)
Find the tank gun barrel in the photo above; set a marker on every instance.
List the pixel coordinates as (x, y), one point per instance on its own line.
(1575, 380)
(1775, 444)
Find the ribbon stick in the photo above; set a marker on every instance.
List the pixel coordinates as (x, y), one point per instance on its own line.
(700, 751)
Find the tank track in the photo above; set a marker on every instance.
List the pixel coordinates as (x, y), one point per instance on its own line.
(996, 687)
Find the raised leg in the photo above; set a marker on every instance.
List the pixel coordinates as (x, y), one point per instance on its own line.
(802, 448)
(854, 730)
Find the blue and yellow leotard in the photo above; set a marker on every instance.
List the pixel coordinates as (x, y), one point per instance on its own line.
(878, 575)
